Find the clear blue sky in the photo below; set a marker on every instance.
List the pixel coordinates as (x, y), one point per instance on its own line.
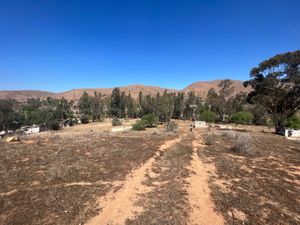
(60, 45)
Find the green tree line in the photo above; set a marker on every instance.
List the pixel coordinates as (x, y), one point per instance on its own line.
(274, 100)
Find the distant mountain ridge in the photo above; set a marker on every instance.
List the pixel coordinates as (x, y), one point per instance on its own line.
(200, 88)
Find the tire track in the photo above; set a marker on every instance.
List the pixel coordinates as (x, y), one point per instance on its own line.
(202, 206)
(118, 206)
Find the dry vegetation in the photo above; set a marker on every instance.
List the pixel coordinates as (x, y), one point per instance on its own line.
(167, 203)
(56, 178)
(256, 179)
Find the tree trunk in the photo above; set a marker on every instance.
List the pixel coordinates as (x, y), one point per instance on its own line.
(279, 126)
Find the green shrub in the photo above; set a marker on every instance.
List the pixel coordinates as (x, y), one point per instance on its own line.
(149, 120)
(242, 118)
(293, 122)
(208, 116)
(84, 119)
(53, 125)
(171, 126)
(139, 125)
(270, 123)
(116, 122)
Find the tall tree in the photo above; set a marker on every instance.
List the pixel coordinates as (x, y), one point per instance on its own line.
(190, 106)
(276, 86)
(220, 102)
(178, 106)
(84, 104)
(97, 106)
(165, 106)
(10, 118)
(115, 103)
(131, 107)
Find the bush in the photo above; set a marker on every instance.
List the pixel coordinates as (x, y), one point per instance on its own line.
(270, 123)
(139, 125)
(149, 120)
(84, 119)
(209, 138)
(242, 118)
(229, 134)
(293, 122)
(243, 143)
(171, 126)
(208, 116)
(116, 122)
(53, 125)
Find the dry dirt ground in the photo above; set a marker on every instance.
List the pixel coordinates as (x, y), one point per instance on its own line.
(88, 175)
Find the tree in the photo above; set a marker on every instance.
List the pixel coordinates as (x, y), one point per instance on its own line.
(190, 106)
(276, 86)
(84, 104)
(294, 122)
(208, 116)
(97, 106)
(220, 102)
(10, 118)
(164, 106)
(63, 108)
(148, 105)
(131, 107)
(115, 103)
(242, 118)
(178, 106)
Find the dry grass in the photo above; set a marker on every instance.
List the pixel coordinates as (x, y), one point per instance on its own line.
(38, 178)
(167, 203)
(257, 188)
(243, 144)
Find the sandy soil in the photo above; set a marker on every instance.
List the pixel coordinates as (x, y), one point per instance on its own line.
(86, 174)
(119, 206)
(202, 206)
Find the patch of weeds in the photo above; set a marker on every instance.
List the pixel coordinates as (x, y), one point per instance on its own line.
(116, 122)
(229, 134)
(210, 138)
(167, 203)
(243, 144)
(139, 125)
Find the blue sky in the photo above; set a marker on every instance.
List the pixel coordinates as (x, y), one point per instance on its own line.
(60, 45)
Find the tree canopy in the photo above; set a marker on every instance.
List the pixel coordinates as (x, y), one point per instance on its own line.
(276, 86)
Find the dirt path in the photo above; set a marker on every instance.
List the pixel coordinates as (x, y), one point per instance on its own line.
(202, 207)
(118, 206)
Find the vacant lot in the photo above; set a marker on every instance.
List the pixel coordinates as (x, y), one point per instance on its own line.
(88, 175)
(56, 180)
(261, 186)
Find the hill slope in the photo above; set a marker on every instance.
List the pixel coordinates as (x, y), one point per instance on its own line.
(23, 95)
(200, 88)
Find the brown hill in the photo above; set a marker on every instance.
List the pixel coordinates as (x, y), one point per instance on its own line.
(134, 91)
(23, 95)
(201, 88)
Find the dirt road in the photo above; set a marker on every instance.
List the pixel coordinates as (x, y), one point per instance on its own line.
(152, 183)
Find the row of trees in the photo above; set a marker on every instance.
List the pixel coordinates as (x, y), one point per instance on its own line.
(49, 112)
(275, 98)
(165, 106)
